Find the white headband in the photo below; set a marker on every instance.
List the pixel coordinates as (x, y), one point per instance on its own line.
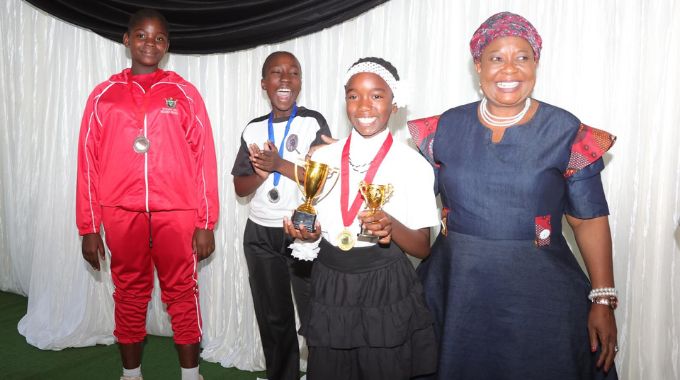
(381, 71)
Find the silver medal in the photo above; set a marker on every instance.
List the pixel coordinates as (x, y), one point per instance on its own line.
(273, 195)
(141, 144)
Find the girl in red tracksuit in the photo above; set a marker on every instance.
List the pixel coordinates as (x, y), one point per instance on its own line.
(147, 171)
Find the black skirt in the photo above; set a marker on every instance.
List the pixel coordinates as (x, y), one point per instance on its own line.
(367, 317)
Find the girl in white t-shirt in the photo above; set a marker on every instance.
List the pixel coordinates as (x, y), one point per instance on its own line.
(367, 316)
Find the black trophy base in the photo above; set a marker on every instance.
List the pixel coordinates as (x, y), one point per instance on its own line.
(305, 219)
(365, 237)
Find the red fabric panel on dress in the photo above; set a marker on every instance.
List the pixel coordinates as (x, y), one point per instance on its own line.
(589, 145)
(422, 132)
(543, 231)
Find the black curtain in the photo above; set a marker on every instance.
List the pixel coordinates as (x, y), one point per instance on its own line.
(211, 26)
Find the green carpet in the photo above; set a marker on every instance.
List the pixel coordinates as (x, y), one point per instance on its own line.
(21, 361)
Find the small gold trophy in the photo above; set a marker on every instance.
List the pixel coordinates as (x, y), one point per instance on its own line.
(316, 174)
(375, 196)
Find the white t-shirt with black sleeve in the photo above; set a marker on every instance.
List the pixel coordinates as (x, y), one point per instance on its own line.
(305, 131)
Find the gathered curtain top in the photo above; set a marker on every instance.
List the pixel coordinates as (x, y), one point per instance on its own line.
(212, 26)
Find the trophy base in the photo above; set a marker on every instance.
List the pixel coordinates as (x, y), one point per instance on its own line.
(306, 219)
(363, 236)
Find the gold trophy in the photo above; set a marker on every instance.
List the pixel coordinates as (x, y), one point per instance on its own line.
(316, 174)
(375, 196)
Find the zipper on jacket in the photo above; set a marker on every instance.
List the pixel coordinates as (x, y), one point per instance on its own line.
(150, 234)
(146, 171)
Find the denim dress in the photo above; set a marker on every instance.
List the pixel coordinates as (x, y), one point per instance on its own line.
(508, 296)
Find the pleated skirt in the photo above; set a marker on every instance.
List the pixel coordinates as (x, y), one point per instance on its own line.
(367, 318)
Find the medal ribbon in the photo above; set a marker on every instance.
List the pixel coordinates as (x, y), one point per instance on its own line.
(348, 214)
(270, 130)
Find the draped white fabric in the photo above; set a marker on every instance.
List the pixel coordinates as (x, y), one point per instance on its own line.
(612, 63)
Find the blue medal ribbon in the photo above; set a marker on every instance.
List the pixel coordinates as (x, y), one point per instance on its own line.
(277, 175)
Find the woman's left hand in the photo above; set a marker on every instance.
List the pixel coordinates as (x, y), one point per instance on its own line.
(203, 243)
(379, 224)
(602, 331)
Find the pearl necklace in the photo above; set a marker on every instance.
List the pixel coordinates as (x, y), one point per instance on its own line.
(502, 121)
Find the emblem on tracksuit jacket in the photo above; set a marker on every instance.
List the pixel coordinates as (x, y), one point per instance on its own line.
(171, 107)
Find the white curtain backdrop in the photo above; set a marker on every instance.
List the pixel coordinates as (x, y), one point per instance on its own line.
(615, 64)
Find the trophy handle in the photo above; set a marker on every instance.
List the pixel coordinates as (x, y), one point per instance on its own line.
(388, 192)
(331, 171)
(362, 189)
(297, 179)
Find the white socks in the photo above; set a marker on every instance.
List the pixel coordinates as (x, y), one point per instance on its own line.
(190, 373)
(135, 372)
(187, 373)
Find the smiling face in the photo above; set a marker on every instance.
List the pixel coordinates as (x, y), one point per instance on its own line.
(282, 80)
(148, 42)
(369, 103)
(507, 74)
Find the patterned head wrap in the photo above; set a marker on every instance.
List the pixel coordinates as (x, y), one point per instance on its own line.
(504, 24)
(381, 71)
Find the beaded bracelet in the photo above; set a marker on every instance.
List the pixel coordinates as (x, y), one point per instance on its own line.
(602, 292)
(611, 301)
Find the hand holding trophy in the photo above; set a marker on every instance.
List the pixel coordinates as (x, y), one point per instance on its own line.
(375, 196)
(316, 174)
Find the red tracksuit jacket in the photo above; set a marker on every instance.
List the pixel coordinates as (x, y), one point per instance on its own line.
(179, 171)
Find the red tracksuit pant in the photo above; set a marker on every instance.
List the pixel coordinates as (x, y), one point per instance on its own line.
(132, 269)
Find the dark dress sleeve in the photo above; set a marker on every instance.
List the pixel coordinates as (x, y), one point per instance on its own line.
(585, 194)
